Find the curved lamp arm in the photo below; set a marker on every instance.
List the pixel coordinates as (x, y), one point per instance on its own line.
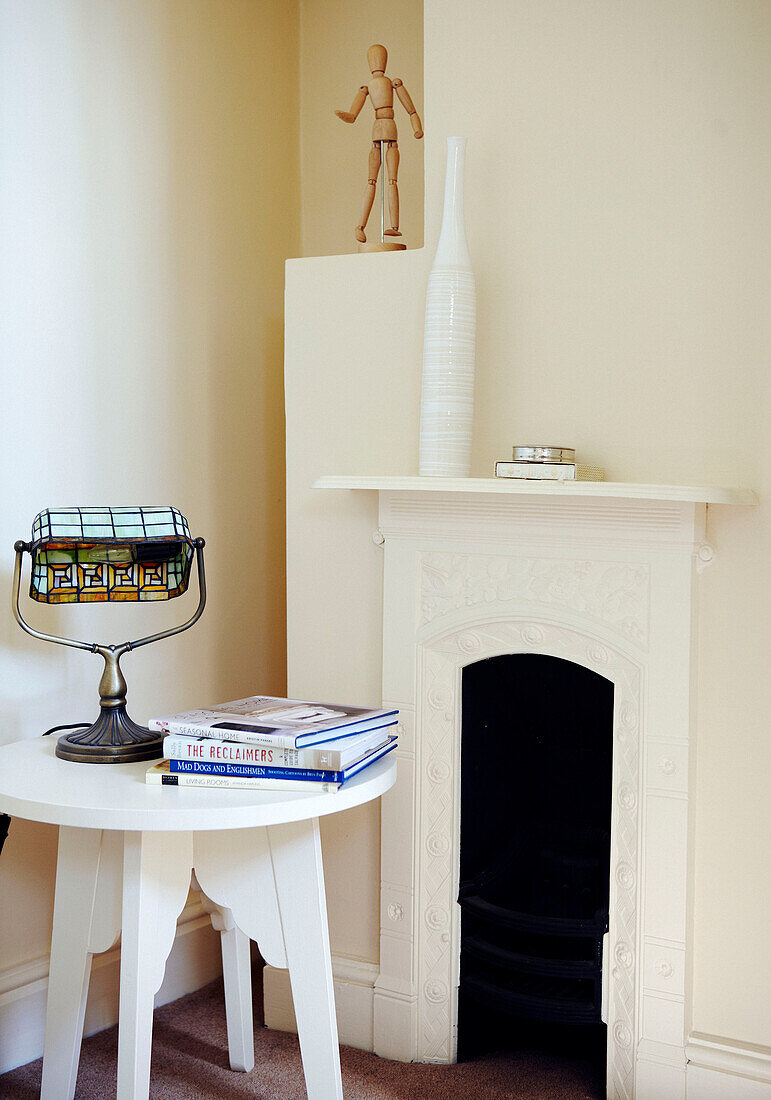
(94, 647)
(20, 547)
(199, 545)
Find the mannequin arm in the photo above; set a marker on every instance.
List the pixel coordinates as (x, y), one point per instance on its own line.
(409, 106)
(356, 106)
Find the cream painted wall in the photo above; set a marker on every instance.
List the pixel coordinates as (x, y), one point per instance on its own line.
(616, 209)
(333, 64)
(149, 195)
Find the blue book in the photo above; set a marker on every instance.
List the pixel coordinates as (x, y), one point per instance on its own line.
(260, 771)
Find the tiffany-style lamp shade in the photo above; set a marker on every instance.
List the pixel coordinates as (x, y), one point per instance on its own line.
(98, 555)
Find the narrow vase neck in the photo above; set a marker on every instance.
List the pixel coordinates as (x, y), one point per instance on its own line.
(452, 249)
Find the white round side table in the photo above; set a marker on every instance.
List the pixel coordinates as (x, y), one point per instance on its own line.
(126, 854)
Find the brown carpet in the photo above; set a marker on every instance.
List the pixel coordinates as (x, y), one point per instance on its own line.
(190, 1062)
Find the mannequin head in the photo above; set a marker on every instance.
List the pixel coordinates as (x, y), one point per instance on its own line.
(377, 58)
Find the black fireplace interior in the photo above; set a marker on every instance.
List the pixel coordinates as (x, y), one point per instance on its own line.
(536, 770)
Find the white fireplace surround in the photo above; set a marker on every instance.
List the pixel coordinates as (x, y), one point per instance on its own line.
(599, 574)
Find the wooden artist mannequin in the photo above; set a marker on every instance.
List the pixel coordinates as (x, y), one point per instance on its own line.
(381, 92)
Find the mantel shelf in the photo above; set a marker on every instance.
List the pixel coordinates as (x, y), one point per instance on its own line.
(615, 490)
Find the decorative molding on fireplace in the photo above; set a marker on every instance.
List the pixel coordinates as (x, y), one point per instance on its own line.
(440, 663)
(599, 574)
(611, 594)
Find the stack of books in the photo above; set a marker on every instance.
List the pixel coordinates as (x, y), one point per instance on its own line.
(265, 743)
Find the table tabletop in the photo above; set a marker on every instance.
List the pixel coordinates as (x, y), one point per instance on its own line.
(36, 785)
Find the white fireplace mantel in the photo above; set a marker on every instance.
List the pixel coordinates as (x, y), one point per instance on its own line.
(599, 573)
(592, 490)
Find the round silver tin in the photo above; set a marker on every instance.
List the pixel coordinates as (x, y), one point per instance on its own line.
(540, 452)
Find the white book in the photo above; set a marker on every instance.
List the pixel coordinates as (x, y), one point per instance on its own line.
(267, 720)
(331, 756)
(549, 471)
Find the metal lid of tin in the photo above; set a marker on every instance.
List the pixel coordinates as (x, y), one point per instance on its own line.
(540, 452)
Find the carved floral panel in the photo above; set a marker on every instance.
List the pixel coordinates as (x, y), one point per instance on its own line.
(611, 594)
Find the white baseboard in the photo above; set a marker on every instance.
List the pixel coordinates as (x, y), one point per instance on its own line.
(722, 1069)
(354, 1000)
(195, 960)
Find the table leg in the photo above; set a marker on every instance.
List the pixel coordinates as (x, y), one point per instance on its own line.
(77, 871)
(237, 976)
(296, 854)
(234, 873)
(273, 882)
(236, 970)
(156, 879)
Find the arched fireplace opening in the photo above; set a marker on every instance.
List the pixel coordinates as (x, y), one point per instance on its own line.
(536, 778)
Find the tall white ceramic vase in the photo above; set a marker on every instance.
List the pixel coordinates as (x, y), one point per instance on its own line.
(447, 401)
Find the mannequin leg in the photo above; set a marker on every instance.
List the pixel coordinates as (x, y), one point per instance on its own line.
(392, 164)
(369, 194)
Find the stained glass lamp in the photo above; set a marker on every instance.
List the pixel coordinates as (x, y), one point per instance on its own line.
(107, 555)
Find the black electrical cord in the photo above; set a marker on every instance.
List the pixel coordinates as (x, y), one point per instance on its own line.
(71, 726)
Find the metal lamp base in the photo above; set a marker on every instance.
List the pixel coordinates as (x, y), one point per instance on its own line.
(113, 739)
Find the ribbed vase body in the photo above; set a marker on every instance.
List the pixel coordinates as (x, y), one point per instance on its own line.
(447, 401)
